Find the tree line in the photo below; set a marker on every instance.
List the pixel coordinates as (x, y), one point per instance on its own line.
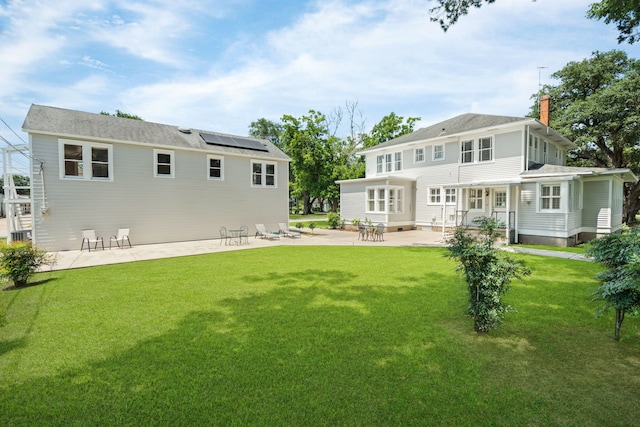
(319, 157)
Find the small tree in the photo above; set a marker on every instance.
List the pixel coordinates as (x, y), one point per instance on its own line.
(19, 261)
(488, 272)
(620, 288)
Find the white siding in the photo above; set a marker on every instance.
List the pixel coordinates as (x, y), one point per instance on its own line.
(186, 207)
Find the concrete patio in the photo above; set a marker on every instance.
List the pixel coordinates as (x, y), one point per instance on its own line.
(320, 237)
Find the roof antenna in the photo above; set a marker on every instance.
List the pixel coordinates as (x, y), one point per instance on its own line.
(540, 85)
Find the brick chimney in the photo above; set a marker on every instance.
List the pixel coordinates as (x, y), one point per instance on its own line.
(544, 109)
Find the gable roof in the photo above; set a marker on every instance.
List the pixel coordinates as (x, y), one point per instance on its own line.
(65, 123)
(469, 122)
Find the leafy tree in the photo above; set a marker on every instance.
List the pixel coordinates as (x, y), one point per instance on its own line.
(266, 129)
(624, 13)
(122, 114)
(308, 142)
(487, 270)
(620, 288)
(596, 105)
(389, 127)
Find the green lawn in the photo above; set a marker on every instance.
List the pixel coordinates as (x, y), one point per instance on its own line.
(367, 336)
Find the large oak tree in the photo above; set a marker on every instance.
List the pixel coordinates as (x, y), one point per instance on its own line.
(597, 106)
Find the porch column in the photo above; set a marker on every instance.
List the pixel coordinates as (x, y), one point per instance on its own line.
(508, 227)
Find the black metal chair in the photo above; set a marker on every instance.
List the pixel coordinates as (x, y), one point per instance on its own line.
(224, 236)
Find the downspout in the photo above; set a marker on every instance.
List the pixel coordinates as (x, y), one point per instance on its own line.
(517, 216)
(525, 149)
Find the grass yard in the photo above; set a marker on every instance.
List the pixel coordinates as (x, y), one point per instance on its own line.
(304, 336)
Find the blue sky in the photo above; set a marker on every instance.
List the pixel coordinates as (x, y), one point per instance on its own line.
(219, 65)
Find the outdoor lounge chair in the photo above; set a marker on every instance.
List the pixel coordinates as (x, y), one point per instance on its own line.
(284, 230)
(89, 237)
(262, 232)
(120, 237)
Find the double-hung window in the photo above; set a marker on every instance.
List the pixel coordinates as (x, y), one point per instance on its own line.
(86, 160)
(500, 199)
(419, 155)
(550, 197)
(385, 200)
(475, 199)
(435, 196)
(163, 163)
(263, 174)
(485, 149)
(389, 162)
(438, 152)
(215, 168)
(466, 152)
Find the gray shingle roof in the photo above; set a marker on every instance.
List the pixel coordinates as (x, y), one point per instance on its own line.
(459, 124)
(61, 122)
(556, 170)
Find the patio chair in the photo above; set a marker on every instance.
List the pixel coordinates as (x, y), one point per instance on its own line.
(284, 230)
(89, 237)
(378, 233)
(120, 237)
(261, 231)
(244, 234)
(224, 236)
(362, 232)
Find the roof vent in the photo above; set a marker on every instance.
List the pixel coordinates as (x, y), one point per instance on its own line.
(184, 130)
(444, 131)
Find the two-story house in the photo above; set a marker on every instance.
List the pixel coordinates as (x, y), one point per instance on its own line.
(165, 183)
(510, 168)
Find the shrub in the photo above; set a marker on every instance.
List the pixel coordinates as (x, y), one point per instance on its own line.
(488, 272)
(312, 225)
(19, 261)
(333, 219)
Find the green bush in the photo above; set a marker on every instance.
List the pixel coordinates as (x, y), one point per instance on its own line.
(19, 261)
(312, 225)
(334, 220)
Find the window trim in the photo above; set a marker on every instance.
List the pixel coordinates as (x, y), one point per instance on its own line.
(212, 157)
(550, 197)
(383, 205)
(389, 162)
(433, 153)
(172, 163)
(482, 150)
(422, 158)
(479, 195)
(470, 151)
(87, 147)
(263, 174)
(450, 194)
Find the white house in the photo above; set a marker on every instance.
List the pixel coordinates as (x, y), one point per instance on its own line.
(510, 168)
(166, 183)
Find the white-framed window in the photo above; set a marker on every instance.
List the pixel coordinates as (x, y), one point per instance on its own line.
(438, 152)
(385, 200)
(485, 149)
(86, 160)
(533, 148)
(395, 200)
(500, 200)
(436, 197)
(389, 162)
(550, 197)
(163, 163)
(450, 196)
(476, 196)
(419, 155)
(466, 151)
(263, 174)
(545, 152)
(215, 167)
